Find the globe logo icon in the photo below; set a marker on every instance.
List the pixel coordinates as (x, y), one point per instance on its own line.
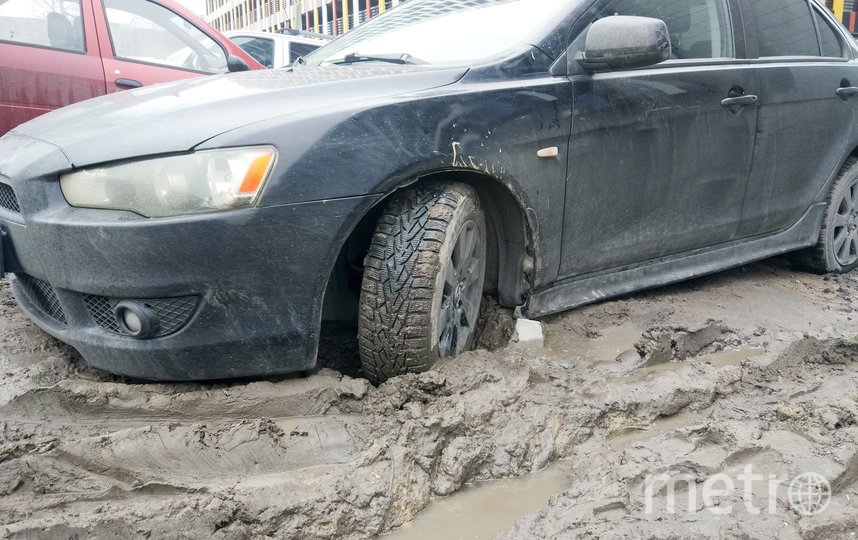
(809, 494)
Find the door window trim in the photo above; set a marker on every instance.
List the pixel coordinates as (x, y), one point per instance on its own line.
(84, 52)
(156, 64)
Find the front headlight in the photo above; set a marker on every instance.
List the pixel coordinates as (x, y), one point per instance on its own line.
(197, 183)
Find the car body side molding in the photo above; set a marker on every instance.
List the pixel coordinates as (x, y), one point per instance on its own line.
(571, 293)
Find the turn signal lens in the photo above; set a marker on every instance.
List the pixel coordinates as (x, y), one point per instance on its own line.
(256, 174)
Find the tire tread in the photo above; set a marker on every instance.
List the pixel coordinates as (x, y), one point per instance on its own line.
(399, 279)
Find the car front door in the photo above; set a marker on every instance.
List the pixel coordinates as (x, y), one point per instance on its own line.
(806, 113)
(147, 43)
(49, 58)
(658, 160)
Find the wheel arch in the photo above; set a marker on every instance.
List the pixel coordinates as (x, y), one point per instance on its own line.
(511, 243)
(824, 191)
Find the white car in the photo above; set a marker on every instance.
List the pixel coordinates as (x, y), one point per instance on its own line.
(275, 50)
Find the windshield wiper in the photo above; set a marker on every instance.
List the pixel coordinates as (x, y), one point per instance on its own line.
(392, 58)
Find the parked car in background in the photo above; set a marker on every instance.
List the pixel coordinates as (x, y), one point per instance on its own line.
(550, 152)
(275, 50)
(57, 52)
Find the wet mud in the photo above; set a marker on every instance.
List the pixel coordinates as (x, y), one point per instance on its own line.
(754, 367)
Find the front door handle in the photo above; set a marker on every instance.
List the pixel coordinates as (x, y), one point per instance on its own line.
(847, 92)
(128, 83)
(740, 101)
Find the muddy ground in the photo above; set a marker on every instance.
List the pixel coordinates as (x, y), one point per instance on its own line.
(757, 366)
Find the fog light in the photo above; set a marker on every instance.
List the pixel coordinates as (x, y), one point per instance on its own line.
(132, 322)
(136, 319)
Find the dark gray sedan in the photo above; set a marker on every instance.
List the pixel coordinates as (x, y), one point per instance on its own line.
(549, 152)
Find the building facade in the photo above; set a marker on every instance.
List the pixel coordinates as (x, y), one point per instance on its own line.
(334, 17)
(846, 11)
(331, 17)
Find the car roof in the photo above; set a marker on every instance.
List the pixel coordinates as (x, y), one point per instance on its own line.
(274, 35)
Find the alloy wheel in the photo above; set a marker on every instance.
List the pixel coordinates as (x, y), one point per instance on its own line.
(460, 301)
(845, 241)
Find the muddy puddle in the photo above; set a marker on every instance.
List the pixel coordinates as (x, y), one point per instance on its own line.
(634, 435)
(731, 357)
(484, 510)
(606, 347)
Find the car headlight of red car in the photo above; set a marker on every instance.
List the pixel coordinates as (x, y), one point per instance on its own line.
(208, 181)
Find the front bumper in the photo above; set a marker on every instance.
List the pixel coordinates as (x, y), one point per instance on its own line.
(244, 288)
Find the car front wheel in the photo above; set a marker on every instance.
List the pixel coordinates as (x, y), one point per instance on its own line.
(423, 280)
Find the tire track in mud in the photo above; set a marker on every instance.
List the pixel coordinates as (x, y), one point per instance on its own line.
(788, 414)
(82, 454)
(435, 432)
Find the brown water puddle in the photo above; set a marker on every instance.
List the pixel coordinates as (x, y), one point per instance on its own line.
(659, 427)
(720, 359)
(730, 357)
(484, 510)
(612, 342)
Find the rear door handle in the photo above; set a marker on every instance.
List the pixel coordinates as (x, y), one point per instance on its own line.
(740, 101)
(847, 92)
(128, 83)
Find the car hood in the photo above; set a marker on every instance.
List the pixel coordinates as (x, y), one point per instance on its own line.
(176, 117)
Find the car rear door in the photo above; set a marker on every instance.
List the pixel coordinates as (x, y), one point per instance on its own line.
(145, 42)
(659, 157)
(49, 58)
(806, 113)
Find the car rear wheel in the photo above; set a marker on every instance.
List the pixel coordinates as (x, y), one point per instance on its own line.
(423, 280)
(837, 249)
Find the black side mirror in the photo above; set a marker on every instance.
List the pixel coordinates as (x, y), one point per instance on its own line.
(623, 42)
(235, 64)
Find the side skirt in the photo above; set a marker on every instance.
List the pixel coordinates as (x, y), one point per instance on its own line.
(574, 292)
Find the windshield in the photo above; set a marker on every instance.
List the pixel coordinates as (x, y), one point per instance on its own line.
(441, 32)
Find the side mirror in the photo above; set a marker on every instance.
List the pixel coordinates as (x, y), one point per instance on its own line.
(235, 64)
(622, 42)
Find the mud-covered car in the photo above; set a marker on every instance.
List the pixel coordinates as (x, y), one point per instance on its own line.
(549, 152)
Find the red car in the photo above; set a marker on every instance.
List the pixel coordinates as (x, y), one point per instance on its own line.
(57, 52)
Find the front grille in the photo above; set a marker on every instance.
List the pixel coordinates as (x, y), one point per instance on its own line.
(42, 296)
(173, 313)
(8, 200)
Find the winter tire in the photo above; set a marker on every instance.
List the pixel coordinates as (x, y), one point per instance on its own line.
(423, 280)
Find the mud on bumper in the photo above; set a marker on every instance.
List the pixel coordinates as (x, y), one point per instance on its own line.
(236, 293)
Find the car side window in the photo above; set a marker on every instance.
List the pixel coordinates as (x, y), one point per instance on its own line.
(261, 49)
(143, 31)
(698, 28)
(785, 28)
(55, 25)
(297, 50)
(831, 45)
